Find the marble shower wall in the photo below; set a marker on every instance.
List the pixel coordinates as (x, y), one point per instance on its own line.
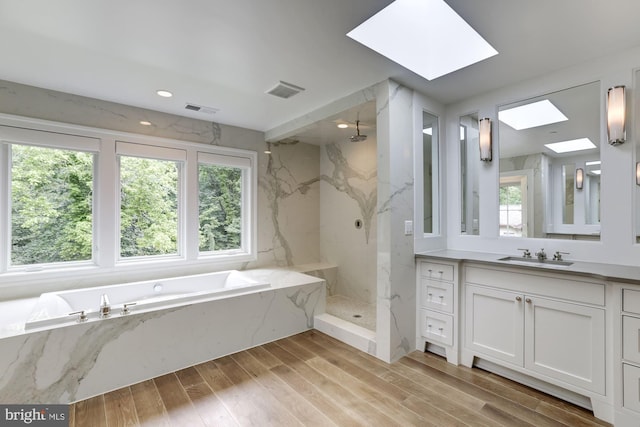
(396, 292)
(348, 193)
(288, 189)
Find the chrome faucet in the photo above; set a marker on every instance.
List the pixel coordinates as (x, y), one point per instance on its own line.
(541, 255)
(525, 253)
(558, 255)
(105, 307)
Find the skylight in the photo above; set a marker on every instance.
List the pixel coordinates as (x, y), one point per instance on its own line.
(532, 115)
(572, 145)
(424, 36)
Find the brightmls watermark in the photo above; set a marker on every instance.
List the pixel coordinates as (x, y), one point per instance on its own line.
(34, 415)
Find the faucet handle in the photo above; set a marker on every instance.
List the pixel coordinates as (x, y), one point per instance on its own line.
(558, 255)
(125, 308)
(525, 253)
(82, 316)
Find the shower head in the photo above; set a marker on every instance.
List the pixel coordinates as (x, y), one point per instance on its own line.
(357, 137)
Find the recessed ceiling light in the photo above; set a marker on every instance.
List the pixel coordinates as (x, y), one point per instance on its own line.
(595, 162)
(596, 172)
(572, 145)
(343, 125)
(425, 36)
(427, 131)
(145, 123)
(532, 115)
(164, 93)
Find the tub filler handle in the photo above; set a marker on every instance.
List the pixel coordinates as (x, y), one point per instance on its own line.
(125, 308)
(82, 316)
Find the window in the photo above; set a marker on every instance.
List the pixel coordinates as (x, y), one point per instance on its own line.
(513, 205)
(74, 201)
(222, 203)
(51, 205)
(148, 207)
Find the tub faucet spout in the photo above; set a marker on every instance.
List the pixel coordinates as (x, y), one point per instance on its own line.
(105, 306)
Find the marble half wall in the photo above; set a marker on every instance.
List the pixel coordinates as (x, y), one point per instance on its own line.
(288, 188)
(348, 228)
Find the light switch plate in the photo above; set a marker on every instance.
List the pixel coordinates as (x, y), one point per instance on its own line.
(408, 228)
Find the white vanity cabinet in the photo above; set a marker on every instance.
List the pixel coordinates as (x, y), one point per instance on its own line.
(437, 306)
(543, 325)
(631, 349)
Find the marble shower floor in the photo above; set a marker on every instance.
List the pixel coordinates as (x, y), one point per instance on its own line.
(352, 310)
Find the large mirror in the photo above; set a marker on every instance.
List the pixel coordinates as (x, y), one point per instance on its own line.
(430, 172)
(469, 170)
(550, 165)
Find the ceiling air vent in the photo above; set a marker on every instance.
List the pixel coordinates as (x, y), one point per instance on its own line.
(201, 108)
(285, 90)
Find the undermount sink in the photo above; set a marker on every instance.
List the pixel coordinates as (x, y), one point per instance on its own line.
(536, 261)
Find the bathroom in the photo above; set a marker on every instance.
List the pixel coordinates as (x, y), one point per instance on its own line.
(354, 213)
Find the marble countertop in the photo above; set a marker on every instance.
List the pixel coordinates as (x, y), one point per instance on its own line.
(609, 272)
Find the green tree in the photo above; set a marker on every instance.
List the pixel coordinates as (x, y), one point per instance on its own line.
(220, 207)
(51, 205)
(148, 207)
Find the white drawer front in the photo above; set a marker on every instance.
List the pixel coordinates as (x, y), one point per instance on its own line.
(631, 338)
(631, 395)
(437, 295)
(437, 327)
(631, 301)
(436, 271)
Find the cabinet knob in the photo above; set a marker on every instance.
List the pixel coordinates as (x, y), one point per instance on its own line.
(441, 296)
(518, 298)
(528, 300)
(428, 326)
(440, 272)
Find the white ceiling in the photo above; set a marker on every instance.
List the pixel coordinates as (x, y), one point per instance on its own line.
(226, 54)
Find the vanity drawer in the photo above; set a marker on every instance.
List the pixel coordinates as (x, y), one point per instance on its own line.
(434, 270)
(631, 391)
(437, 295)
(631, 301)
(437, 327)
(631, 338)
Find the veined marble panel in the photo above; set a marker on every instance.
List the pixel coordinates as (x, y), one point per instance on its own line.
(348, 194)
(396, 303)
(75, 362)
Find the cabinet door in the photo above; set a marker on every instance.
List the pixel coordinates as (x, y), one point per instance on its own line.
(494, 323)
(565, 341)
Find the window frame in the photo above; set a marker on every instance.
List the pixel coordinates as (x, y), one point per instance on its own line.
(106, 206)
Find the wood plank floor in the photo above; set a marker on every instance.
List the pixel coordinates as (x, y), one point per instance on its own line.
(313, 380)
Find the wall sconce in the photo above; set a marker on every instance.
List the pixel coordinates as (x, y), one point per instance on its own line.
(579, 178)
(485, 139)
(616, 114)
(637, 173)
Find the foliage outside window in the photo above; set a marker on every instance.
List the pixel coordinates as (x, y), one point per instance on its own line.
(220, 207)
(148, 207)
(88, 200)
(51, 205)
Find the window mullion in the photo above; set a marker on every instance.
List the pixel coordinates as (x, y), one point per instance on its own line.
(5, 213)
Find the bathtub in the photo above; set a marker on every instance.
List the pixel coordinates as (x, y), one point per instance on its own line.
(56, 308)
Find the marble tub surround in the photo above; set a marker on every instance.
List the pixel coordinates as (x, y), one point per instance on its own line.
(75, 362)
